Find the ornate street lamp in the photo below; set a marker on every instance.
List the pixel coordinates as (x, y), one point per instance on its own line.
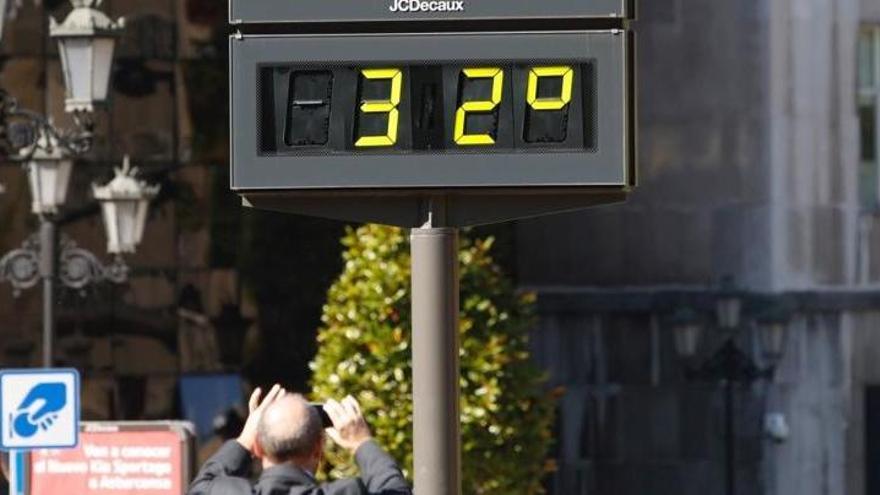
(86, 41)
(730, 365)
(125, 201)
(48, 169)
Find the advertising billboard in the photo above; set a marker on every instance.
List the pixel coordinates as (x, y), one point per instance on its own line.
(117, 459)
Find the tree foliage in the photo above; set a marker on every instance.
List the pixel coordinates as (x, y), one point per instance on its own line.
(364, 349)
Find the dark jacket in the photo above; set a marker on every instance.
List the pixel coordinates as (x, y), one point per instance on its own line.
(225, 473)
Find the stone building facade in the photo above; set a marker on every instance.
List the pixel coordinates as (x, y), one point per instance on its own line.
(758, 161)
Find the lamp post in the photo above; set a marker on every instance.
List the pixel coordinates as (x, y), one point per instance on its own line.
(729, 364)
(86, 42)
(124, 203)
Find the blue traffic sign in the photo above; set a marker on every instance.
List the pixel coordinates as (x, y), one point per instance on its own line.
(39, 408)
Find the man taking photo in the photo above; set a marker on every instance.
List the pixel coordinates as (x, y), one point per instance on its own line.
(286, 434)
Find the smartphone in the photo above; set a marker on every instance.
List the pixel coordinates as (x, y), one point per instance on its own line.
(325, 418)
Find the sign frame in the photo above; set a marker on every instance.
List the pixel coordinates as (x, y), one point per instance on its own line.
(610, 166)
(76, 406)
(184, 430)
(371, 11)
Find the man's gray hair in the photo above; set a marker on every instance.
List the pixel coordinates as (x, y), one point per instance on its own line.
(294, 439)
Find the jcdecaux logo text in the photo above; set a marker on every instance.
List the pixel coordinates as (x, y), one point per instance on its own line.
(427, 6)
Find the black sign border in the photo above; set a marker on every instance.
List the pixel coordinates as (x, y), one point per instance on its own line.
(610, 166)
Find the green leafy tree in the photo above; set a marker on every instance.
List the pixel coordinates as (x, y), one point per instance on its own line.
(364, 349)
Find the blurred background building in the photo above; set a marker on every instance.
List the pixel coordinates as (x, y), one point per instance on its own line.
(758, 161)
(188, 309)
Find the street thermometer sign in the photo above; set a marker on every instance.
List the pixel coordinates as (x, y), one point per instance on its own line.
(432, 114)
(485, 117)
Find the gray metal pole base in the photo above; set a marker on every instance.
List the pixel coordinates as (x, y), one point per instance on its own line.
(435, 347)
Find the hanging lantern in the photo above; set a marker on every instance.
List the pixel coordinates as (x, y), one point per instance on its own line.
(772, 326)
(688, 330)
(48, 171)
(86, 42)
(728, 305)
(125, 201)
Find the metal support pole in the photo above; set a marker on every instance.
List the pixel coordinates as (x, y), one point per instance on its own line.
(435, 347)
(48, 269)
(17, 474)
(729, 438)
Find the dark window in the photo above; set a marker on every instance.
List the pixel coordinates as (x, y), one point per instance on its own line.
(868, 94)
(872, 440)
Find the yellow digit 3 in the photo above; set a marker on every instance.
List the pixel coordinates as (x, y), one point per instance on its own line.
(388, 106)
(497, 76)
(553, 103)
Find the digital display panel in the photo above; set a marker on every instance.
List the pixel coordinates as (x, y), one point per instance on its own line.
(432, 110)
(485, 106)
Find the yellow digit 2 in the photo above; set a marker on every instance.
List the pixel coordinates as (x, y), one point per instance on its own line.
(554, 103)
(388, 106)
(497, 76)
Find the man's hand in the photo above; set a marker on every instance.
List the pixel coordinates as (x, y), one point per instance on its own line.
(248, 437)
(349, 430)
